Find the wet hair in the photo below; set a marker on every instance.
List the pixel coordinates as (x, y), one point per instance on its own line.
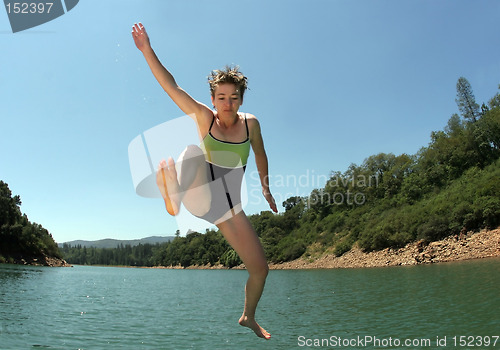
(228, 75)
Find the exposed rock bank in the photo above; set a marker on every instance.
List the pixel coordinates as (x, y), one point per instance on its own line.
(40, 261)
(454, 248)
(194, 267)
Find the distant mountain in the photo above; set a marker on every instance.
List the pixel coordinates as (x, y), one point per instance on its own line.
(113, 243)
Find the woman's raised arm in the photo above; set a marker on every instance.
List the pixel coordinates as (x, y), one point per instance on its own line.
(181, 98)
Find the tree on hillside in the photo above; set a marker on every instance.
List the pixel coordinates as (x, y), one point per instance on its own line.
(18, 236)
(495, 100)
(9, 206)
(291, 202)
(466, 101)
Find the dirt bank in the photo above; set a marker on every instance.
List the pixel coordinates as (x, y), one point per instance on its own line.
(38, 261)
(454, 248)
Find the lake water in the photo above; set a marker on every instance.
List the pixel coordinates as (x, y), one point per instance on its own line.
(125, 308)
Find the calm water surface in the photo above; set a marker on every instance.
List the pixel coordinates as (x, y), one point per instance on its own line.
(124, 308)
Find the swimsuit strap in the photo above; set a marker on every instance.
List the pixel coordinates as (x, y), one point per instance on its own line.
(213, 120)
(246, 124)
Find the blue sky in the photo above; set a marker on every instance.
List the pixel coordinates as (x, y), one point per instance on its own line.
(332, 82)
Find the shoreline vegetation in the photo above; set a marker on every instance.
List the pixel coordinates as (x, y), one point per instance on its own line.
(469, 246)
(464, 246)
(441, 204)
(23, 242)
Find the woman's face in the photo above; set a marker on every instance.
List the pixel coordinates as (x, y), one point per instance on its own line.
(227, 99)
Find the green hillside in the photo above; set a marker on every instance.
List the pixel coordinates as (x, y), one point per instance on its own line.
(20, 239)
(450, 186)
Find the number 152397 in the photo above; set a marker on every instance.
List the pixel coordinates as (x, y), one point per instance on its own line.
(473, 341)
(28, 7)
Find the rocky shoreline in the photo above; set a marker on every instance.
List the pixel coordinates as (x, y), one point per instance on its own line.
(465, 246)
(40, 261)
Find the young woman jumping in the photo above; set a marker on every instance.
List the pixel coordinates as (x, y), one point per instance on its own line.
(207, 178)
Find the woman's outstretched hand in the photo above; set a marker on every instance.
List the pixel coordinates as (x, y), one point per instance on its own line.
(140, 36)
(270, 199)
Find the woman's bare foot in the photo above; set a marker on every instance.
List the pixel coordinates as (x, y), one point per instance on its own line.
(254, 326)
(166, 179)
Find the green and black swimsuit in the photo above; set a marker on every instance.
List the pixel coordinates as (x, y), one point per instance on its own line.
(226, 162)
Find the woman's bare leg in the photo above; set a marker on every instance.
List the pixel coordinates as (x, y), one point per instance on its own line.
(166, 180)
(241, 236)
(185, 181)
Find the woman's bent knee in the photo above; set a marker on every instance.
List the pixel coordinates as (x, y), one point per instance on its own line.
(260, 271)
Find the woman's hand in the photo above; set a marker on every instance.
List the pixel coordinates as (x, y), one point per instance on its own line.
(270, 199)
(140, 36)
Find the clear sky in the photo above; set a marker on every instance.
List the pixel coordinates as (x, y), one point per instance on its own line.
(332, 82)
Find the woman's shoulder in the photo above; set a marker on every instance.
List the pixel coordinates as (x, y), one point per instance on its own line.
(204, 119)
(253, 125)
(251, 119)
